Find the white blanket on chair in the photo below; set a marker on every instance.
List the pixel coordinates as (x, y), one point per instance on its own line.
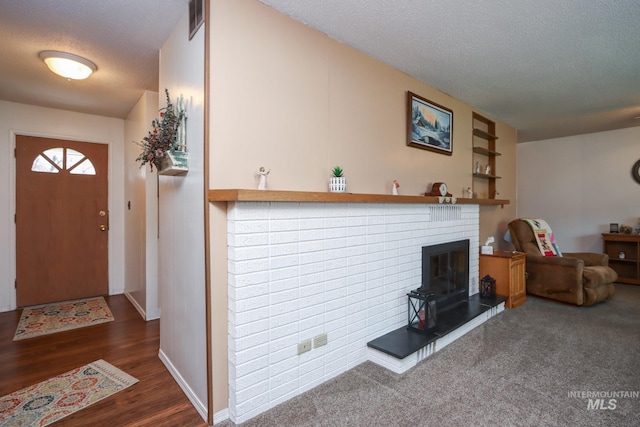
(544, 237)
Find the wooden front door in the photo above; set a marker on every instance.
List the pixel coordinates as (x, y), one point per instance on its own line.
(62, 220)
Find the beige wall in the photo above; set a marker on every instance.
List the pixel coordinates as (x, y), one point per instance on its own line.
(297, 102)
(494, 219)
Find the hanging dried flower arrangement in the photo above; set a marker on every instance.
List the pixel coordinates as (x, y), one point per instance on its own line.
(166, 140)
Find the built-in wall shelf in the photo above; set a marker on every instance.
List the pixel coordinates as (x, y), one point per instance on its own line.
(485, 176)
(240, 195)
(483, 134)
(484, 157)
(485, 151)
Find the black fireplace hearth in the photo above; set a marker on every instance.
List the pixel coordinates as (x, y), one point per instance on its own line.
(440, 305)
(403, 341)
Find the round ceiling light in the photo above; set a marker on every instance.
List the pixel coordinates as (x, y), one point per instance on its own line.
(68, 65)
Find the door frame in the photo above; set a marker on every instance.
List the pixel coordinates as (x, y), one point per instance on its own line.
(116, 210)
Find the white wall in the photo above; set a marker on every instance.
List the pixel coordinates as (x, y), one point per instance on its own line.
(141, 213)
(30, 120)
(181, 269)
(580, 184)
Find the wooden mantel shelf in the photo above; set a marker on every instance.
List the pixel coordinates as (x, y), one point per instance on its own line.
(239, 195)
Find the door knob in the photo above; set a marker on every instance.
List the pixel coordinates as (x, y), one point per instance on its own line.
(103, 227)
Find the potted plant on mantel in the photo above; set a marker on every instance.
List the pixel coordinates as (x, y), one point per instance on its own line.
(337, 183)
(165, 145)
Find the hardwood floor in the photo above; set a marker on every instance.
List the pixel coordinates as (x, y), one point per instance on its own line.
(129, 343)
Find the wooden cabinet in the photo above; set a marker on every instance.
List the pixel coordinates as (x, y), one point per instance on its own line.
(484, 157)
(623, 251)
(508, 268)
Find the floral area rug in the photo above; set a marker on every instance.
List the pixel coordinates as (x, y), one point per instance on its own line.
(62, 316)
(46, 402)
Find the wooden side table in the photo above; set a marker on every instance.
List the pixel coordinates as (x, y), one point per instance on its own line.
(508, 268)
(623, 251)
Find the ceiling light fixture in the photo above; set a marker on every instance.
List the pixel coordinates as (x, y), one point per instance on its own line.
(68, 65)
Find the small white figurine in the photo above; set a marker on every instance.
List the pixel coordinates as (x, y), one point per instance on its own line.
(394, 187)
(487, 170)
(469, 193)
(262, 175)
(477, 167)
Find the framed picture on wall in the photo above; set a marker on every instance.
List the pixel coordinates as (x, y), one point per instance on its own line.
(429, 125)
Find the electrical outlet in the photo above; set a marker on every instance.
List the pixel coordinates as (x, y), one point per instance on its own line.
(320, 340)
(304, 346)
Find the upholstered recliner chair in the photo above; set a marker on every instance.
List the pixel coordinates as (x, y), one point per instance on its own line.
(577, 278)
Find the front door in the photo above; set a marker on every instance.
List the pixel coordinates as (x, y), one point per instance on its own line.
(62, 220)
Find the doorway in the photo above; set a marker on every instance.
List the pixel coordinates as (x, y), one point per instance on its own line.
(62, 220)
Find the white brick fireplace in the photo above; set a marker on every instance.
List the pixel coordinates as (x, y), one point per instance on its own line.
(301, 269)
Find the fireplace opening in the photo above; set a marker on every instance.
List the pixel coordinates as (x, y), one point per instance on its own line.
(445, 273)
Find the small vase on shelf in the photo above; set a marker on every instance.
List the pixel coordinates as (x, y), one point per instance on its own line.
(337, 183)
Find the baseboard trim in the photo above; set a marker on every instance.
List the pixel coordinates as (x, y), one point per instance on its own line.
(135, 305)
(143, 313)
(200, 407)
(221, 416)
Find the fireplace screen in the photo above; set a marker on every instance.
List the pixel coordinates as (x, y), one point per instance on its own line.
(445, 272)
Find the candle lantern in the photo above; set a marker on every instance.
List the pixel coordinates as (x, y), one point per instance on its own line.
(487, 287)
(422, 311)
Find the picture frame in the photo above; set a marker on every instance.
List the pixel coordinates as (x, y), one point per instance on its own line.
(429, 125)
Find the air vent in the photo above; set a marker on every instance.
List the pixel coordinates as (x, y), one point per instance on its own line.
(196, 16)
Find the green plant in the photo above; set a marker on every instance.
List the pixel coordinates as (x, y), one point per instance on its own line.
(163, 135)
(337, 171)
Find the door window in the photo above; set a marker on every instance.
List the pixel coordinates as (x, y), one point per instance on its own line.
(58, 159)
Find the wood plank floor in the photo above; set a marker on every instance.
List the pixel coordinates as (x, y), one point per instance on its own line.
(129, 343)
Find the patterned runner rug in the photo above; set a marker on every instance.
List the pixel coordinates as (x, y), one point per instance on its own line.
(46, 402)
(62, 316)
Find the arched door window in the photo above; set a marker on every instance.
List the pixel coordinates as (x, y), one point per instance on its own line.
(59, 159)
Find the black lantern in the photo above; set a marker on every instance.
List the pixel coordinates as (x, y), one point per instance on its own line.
(422, 311)
(487, 287)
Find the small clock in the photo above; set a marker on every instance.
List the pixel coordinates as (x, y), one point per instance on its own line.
(443, 189)
(438, 189)
(635, 171)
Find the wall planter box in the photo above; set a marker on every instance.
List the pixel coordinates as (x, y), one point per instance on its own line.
(174, 163)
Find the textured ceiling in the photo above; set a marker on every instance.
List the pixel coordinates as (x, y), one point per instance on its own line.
(549, 68)
(123, 37)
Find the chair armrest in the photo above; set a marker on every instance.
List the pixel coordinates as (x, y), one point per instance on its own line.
(558, 261)
(590, 258)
